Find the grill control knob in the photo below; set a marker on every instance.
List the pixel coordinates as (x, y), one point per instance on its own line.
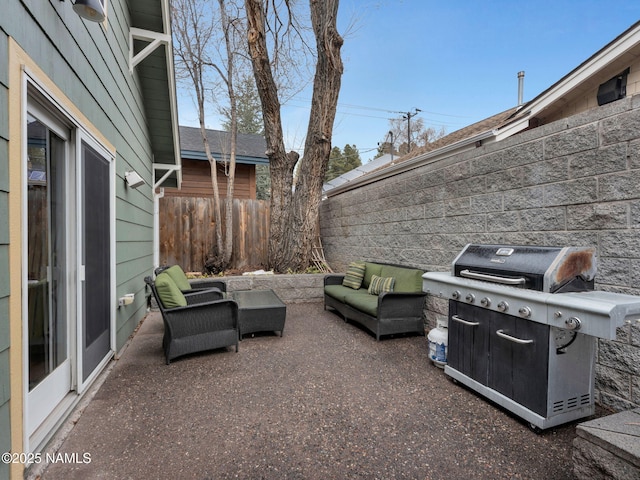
(485, 302)
(503, 306)
(455, 294)
(525, 312)
(573, 323)
(470, 297)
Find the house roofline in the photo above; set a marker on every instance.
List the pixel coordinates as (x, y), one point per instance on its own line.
(624, 42)
(415, 162)
(243, 159)
(519, 121)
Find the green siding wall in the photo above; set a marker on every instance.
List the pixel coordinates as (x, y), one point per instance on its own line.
(5, 424)
(89, 63)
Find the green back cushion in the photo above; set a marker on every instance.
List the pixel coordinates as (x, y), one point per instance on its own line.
(371, 269)
(169, 293)
(381, 284)
(408, 280)
(178, 276)
(354, 276)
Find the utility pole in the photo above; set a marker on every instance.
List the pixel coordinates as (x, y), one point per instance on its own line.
(407, 116)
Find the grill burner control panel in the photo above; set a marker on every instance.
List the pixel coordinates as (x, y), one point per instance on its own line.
(593, 313)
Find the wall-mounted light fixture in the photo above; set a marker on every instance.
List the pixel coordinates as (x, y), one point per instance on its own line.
(133, 179)
(126, 299)
(92, 10)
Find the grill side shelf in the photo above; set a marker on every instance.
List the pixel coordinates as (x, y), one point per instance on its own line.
(599, 313)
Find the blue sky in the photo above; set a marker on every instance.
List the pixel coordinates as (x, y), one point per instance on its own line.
(457, 61)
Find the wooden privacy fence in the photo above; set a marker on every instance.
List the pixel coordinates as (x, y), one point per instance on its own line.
(187, 232)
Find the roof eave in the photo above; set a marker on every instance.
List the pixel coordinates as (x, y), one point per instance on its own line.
(166, 14)
(151, 54)
(173, 97)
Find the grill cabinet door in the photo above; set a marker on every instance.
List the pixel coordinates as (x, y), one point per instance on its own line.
(519, 370)
(468, 347)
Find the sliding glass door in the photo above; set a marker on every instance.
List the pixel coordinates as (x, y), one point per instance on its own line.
(48, 322)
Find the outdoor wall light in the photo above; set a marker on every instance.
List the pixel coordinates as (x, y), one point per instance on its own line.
(126, 299)
(92, 10)
(133, 179)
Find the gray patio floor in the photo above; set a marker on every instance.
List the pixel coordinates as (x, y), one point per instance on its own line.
(326, 401)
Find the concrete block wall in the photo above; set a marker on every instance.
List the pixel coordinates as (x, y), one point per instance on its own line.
(572, 182)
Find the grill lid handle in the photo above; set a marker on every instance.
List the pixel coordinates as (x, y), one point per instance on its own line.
(492, 278)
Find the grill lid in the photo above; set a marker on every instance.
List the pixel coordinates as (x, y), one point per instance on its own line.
(545, 269)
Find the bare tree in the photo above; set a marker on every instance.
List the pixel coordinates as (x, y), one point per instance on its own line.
(231, 26)
(421, 135)
(294, 213)
(197, 25)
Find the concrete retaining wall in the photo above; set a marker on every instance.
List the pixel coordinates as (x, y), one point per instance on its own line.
(301, 288)
(290, 288)
(608, 447)
(572, 182)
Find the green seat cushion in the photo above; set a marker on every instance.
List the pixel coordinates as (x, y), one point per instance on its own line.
(365, 303)
(354, 276)
(381, 284)
(408, 280)
(339, 292)
(178, 276)
(371, 269)
(169, 293)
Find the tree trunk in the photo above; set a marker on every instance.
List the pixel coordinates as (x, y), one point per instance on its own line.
(294, 216)
(217, 214)
(317, 149)
(231, 173)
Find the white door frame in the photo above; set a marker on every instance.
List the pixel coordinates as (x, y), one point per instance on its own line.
(43, 399)
(61, 112)
(81, 386)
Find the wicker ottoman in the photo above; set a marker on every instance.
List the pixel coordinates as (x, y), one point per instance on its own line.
(259, 311)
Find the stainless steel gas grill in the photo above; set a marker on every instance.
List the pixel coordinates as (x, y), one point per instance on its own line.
(522, 327)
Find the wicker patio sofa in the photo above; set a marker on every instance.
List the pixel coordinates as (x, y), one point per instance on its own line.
(196, 321)
(393, 305)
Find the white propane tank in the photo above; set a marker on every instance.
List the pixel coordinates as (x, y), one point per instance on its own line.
(438, 338)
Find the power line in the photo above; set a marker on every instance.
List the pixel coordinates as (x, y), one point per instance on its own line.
(376, 109)
(431, 121)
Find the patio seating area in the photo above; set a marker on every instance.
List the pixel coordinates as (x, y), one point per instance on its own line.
(325, 400)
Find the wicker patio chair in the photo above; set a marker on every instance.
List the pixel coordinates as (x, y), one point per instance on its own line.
(206, 322)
